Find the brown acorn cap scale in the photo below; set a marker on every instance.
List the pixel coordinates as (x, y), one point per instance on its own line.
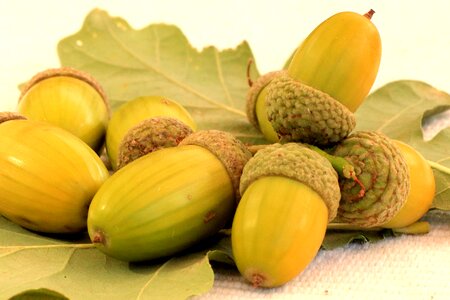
(150, 135)
(8, 116)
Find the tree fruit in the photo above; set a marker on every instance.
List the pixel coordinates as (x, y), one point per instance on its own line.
(330, 74)
(137, 110)
(170, 199)
(47, 176)
(151, 135)
(383, 179)
(70, 99)
(289, 194)
(422, 190)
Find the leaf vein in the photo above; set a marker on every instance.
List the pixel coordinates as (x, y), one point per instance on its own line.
(397, 115)
(222, 79)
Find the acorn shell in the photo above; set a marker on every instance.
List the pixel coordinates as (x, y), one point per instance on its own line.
(161, 204)
(70, 99)
(47, 176)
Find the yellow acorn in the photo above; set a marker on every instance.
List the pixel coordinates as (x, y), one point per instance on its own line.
(70, 99)
(48, 176)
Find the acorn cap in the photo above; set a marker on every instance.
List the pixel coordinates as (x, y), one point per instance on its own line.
(8, 116)
(230, 151)
(297, 162)
(383, 172)
(253, 92)
(150, 135)
(300, 113)
(68, 72)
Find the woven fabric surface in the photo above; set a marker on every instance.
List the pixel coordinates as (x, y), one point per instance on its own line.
(404, 267)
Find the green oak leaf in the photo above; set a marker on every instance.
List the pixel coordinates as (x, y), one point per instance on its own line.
(78, 270)
(158, 60)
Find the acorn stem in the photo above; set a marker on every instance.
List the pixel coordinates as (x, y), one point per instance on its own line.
(369, 14)
(249, 79)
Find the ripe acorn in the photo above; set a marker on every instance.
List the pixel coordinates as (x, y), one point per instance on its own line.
(383, 179)
(70, 99)
(328, 77)
(289, 194)
(170, 199)
(135, 111)
(48, 176)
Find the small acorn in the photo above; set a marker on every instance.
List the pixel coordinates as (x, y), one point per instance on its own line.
(135, 111)
(70, 99)
(383, 179)
(328, 77)
(151, 135)
(170, 199)
(289, 194)
(48, 176)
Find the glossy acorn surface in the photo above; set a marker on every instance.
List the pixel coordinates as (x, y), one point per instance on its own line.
(422, 188)
(68, 99)
(161, 204)
(47, 176)
(340, 57)
(277, 230)
(135, 111)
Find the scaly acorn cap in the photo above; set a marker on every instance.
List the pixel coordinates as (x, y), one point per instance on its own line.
(383, 173)
(150, 135)
(68, 72)
(253, 92)
(8, 116)
(297, 162)
(300, 113)
(230, 151)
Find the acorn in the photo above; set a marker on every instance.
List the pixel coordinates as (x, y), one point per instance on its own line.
(70, 99)
(383, 181)
(169, 200)
(48, 176)
(330, 74)
(135, 111)
(151, 135)
(289, 194)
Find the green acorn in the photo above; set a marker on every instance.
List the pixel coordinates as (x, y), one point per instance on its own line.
(170, 199)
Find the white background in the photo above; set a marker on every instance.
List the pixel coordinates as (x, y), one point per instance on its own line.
(416, 45)
(415, 33)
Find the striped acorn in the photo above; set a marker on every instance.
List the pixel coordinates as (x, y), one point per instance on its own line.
(47, 176)
(70, 99)
(170, 199)
(383, 179)
(289, 194)
(135, 111)
(328, 77)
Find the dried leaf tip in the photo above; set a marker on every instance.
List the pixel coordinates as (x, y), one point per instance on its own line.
(369, 14)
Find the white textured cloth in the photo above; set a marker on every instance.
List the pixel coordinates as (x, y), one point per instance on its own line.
(405, 267)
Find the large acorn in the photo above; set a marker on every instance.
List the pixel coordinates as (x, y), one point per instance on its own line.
(48, 176)
(170, 199)
(289, 194)
(329, 76)
(70, 99)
